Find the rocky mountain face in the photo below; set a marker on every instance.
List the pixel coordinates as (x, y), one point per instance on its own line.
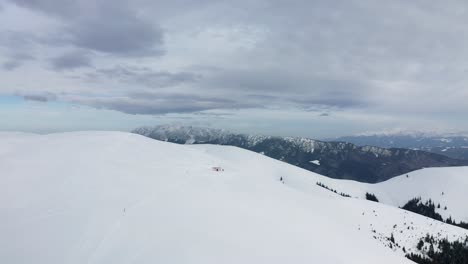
(333, 159)
(452, 146)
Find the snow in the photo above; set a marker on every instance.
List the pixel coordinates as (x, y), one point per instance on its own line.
(111, 197)
(316, 162)
(377, 151)
(446, 186)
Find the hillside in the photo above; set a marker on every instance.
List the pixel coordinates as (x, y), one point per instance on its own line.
(444, 186)
(109, 197)
(333, 159)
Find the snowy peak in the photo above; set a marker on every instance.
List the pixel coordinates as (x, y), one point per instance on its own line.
(194, 135)
(182, 133)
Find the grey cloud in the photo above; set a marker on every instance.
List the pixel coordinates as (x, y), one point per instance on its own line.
(145, 76)
(17, 47)
(213, 114)
(112, 27)
(160, 103)
(332, 99)
(122, 36)
(14, 40)
(11, 65)
(70, 61)
(227, 88)
(46, 97)
(38, 98)
(393, 57)
(357, 39)
(16, 60)
(65, 7)
(22, 56)
(276, 85)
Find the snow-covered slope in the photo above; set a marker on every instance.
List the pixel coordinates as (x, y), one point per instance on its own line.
(444, 186)
(109, 197)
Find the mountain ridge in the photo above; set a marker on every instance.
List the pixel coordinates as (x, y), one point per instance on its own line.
(341, 160)
(453, 146)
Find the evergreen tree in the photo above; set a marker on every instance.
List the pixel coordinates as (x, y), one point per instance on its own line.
(427, 209)
(420, 244)
(441, 252)
(371, 197)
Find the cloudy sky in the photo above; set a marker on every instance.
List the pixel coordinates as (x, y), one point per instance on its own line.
(319, 68)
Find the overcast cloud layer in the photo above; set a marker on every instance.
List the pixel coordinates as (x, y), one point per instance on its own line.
(397, 63)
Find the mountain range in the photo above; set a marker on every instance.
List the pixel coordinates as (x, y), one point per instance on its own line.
(454, 146)
(339, 160)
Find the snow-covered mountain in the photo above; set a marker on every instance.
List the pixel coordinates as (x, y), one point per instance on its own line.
(454, 146)
(334, 159)
(111, 197)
